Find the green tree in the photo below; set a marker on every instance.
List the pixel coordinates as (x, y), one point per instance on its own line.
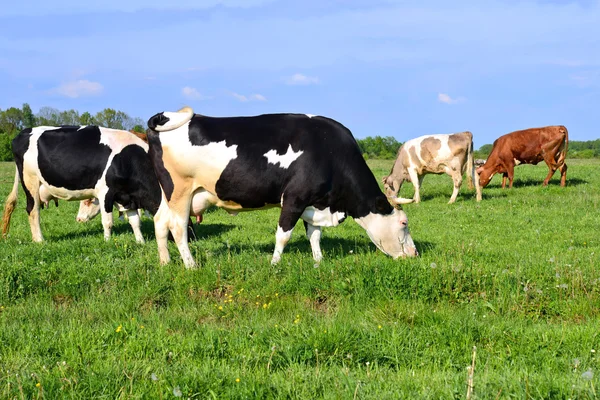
(28, 116)
(139, 129)
(111, 118)
(87, 119)
(11, 120)
(48, 116)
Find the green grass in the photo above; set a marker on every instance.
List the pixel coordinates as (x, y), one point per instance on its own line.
(516, 275)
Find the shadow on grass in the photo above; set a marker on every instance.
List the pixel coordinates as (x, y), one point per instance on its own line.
(528, 182)
(329, 246)
(201, 231)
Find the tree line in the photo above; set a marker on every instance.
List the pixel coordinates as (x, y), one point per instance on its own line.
(13, 120)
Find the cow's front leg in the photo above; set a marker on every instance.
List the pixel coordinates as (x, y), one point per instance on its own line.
(416, 181)
(313, 233)
(133, 217)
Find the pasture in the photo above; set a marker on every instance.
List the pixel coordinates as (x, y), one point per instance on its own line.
(517, 276)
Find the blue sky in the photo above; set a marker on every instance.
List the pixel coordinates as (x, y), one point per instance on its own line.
(380, 67)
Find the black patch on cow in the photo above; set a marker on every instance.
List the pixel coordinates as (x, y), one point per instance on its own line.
(161, 172)
(156, 120)
(131, 181)
(72, 157)
(20, 144)
(331, 171)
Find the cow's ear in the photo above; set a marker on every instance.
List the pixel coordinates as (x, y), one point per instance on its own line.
(382, 204)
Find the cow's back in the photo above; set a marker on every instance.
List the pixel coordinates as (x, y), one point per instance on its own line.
(251, 161)
(526, 145)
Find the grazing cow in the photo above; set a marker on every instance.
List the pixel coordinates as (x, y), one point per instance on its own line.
(310, 166)
(75, 163)
(433, 154)
(529, 146)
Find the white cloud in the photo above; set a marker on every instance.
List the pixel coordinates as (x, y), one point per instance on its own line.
(240, 97)
(79, 88)
(191, 93)
(444, 98)
(258, 97)
(300, 79)
(253, 97)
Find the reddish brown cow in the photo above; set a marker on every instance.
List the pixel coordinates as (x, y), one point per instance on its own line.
(529, 146)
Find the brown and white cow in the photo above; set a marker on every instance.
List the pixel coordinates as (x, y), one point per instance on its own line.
(529, 146)
(433, 154)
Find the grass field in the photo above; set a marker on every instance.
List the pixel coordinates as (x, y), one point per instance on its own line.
(516, 275)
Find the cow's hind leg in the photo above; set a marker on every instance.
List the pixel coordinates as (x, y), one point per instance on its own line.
(134, 220)
(31, 186)
(457, 180)
(313, 233)
(178, 212)
(161, 231)
(563, 175)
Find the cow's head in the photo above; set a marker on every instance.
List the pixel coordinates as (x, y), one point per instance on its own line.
(485, 175)
(88, 209)
(389, 232)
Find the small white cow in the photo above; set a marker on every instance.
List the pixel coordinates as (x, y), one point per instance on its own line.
(433, 154)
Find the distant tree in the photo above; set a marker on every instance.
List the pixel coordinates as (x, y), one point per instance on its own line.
(48, 116)
(28, 116)
(69, 117)
(138, 128)
(111, 118)
(11, 120)
(379, 147)
(86, 119)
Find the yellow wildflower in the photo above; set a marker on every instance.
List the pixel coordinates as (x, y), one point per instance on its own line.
(38, 384)
(237, 379)
(119, 328)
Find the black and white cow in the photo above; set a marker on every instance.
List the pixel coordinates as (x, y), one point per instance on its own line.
(82, 162)
(310, 166)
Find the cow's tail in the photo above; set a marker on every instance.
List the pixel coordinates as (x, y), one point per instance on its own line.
(9, 206)
(168, 121)
(563, 153)
(470, 163)
(472, 177)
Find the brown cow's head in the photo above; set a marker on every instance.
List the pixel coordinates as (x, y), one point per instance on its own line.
(485, 175)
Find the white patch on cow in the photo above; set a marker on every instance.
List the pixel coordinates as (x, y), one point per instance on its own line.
(117, 139)
(82, 127)
(444, 154)
(389, 233)
(323, 217)
(204, 163)
(284, 160)
(310, 115)
(517, 162)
